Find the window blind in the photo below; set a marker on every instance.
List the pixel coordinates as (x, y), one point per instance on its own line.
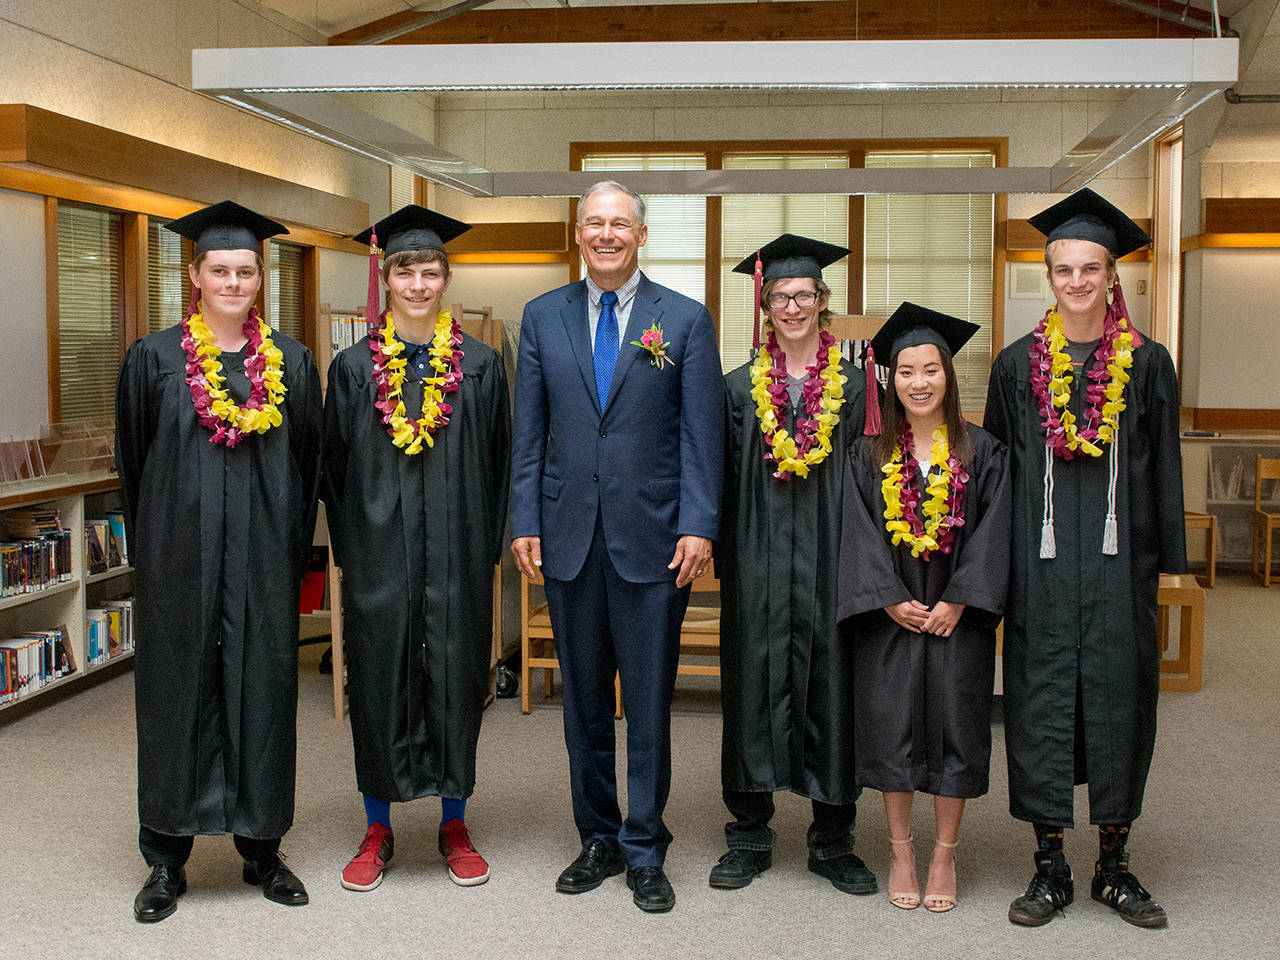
(90, 310)
(748, 222)
(935, 250)
(168, 285)
(675, 253)
(284, 295)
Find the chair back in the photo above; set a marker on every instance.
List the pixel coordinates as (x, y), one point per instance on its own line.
(1268, 469)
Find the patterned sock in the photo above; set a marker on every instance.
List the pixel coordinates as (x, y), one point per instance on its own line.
(1048, 837)
(451, 809)
(1111, 840)
(377, 811)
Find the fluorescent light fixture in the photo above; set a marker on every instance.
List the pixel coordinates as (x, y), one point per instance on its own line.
(296, 86)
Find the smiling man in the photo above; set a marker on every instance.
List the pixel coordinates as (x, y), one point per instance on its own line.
(615, 496)
(1089, 411)
(417, 447)
(787, 677)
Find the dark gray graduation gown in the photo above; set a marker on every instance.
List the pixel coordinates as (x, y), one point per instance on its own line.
(785, 674)
(219, 538)
(922, 703)
(1086, 620)
(417, 538)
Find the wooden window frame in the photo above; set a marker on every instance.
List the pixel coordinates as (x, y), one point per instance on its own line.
(1165, 328)
(715, 151)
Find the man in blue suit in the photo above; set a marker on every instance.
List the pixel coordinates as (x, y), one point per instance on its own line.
(615, 494)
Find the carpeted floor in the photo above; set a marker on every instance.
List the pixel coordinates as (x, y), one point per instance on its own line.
(1204, 847)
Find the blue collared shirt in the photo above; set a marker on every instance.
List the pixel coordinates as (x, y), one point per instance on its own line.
(626, 296)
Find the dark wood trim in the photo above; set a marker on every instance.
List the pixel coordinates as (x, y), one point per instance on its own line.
(713, 254)
(829, 20)
(60, 143)
(534, 237)
(1233, 418)
(581, 148)
(1225, 241)
(136, 268)
(857, 247)
(53, 338)
(1241, 215)
(67, 488)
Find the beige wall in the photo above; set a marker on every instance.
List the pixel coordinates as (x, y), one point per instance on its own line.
(23, 394)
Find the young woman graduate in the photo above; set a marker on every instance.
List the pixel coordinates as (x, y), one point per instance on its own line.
(791, 414)
(923, 571)
(218, 451)
(417, 449)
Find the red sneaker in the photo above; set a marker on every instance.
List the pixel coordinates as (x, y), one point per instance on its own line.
(364, 872)
(466, 867)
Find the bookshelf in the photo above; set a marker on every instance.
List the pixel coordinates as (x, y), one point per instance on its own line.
(65, 603)
(1218, 475)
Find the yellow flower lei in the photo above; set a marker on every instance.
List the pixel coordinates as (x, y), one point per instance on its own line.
(1061, 377)
(410, 435)
(935, 510)
(782, 445)
(208, 354)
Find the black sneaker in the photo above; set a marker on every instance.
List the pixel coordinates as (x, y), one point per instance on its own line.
(1050, 890)
(1120, 890)
(846, 872)
(737, 868)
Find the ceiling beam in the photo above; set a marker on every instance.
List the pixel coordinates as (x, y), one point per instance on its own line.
(806, 20)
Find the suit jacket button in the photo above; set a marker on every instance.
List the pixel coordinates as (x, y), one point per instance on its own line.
(595, 476)
(603, 434)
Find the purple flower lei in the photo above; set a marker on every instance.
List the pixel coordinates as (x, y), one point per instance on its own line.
(806, 426)
(254, 365)
(910, 495)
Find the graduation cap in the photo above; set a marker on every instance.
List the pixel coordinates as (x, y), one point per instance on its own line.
(1086, 216)
(413, 228)
(788, 256)
(911, 326)
(225, 226)
(410, 228)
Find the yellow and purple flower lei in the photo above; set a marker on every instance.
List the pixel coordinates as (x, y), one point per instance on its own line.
(264, 366)
(1051, 377)
(388, 373)
(943, 511)
(823, 398)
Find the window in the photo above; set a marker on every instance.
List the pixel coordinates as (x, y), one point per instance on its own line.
(935, 250)
(675, 252)
(750, 221)
(90, 310)
(168, 285)
(284, 293)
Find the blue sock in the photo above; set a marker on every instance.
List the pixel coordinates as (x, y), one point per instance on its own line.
(377, 811)
(451, 809)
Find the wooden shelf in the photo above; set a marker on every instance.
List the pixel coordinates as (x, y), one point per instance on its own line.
(107, 663)
(8, 603)
(110, 574)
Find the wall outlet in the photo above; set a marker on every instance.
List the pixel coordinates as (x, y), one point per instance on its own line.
(1142, 287)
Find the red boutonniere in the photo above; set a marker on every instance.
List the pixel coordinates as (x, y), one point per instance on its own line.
(652, 341)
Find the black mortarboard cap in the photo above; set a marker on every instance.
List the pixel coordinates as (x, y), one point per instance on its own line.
(912, 325)
(792, 256)
(1086, 216)
(225, 226)
(413, 228)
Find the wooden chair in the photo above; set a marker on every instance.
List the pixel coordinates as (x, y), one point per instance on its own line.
(1208, 523)
(699, 637)
(1264, 521)
(1186, 672)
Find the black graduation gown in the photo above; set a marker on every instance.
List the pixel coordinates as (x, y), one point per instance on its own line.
(1085, 619)
(219, 539)
(922, 703)
(785, 674)
(417, 538)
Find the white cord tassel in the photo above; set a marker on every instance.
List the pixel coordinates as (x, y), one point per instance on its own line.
(1048, 543)
(1111, 529)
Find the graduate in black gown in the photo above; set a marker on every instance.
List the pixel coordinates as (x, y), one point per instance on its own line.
(1089, 411)
(923, 574)
(786, 677)
(218, 451)
(417, 449)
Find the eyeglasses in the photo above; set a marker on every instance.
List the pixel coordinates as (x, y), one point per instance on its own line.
(805, 298)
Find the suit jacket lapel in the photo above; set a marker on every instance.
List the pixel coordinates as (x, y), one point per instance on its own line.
(646, 310)
(574, 315)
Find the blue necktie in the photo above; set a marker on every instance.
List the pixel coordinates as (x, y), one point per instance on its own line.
(605, 355)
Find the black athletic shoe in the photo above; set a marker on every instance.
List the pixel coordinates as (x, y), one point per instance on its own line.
(737, 868)
(1120, 890)
(1050, 890)
(846, 872)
